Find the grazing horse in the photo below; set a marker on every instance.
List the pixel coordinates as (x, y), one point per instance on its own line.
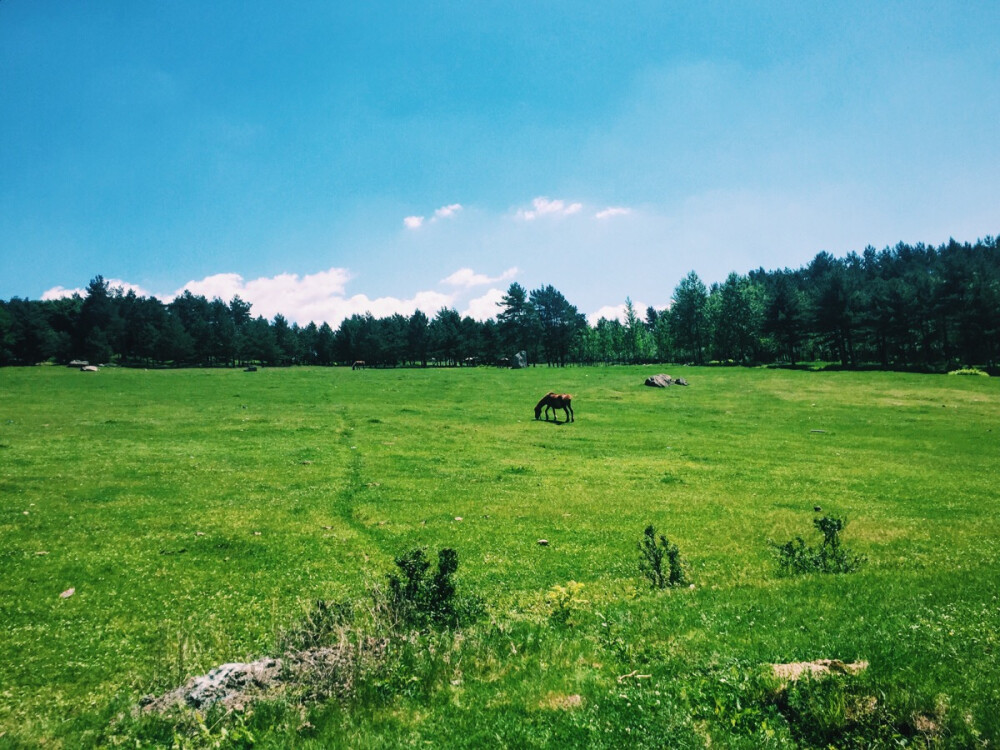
(555, 401)
(358, 365)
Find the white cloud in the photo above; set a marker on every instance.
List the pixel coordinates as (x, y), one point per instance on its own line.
(609, 312)
(319, 297)
(446, 212)
(617, 312)
(485, 307)
(466, 277)
(544, 207)
(61, 292)
(612, 211)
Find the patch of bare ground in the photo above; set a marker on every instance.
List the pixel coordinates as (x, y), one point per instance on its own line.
(560, 702)
(793, 671)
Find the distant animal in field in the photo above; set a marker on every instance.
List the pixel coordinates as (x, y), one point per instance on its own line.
(358, 365)
(555, 401)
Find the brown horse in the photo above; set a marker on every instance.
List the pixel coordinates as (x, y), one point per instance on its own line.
(555, 401)
(358, 365)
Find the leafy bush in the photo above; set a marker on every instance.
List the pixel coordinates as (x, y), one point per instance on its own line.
(417, 599)
(653, 554)
(831, 557)
(563, 600)
(970, 371)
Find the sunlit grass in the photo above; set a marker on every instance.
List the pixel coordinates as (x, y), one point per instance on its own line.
(196, 513)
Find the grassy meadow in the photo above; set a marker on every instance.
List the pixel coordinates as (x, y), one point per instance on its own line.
(198, 515)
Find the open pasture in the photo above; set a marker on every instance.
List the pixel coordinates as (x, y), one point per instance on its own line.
(198, 513)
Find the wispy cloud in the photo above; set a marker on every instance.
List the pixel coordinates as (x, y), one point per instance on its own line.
(543, 207)
(612, 211)
(445, 212)
(466, 277)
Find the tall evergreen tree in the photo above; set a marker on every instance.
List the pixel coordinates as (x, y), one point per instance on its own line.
(559, 322)
(689, 318)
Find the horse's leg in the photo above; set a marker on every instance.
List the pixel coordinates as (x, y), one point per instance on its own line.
(571, 415)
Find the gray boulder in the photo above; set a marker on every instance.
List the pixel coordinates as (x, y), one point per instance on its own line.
(520, 360)
(664, 381)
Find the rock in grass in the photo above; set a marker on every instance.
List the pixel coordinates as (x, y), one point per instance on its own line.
(663, 380)
(543, 542)
(230, 684)
(67, 593)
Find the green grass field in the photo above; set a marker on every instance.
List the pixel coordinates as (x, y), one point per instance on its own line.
(198, 514)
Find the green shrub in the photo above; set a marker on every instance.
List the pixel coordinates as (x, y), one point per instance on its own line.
(830, 557)
(970, 371)
(651, 559)
(417, 599)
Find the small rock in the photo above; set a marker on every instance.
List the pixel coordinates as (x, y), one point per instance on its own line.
(42, 552)
(543, 542)
(199, 533)
(67, 593)
(458, 518)
(256, 533)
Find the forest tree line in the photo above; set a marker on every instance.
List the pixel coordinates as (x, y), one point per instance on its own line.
(910, 306)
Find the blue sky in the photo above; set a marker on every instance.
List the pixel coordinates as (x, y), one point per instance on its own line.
(325, 158)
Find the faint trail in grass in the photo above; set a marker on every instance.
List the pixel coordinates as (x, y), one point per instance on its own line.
(347, 496)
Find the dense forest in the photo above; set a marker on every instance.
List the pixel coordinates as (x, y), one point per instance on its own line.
(906, 307)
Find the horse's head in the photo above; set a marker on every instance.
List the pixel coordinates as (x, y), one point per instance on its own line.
(538, 411)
